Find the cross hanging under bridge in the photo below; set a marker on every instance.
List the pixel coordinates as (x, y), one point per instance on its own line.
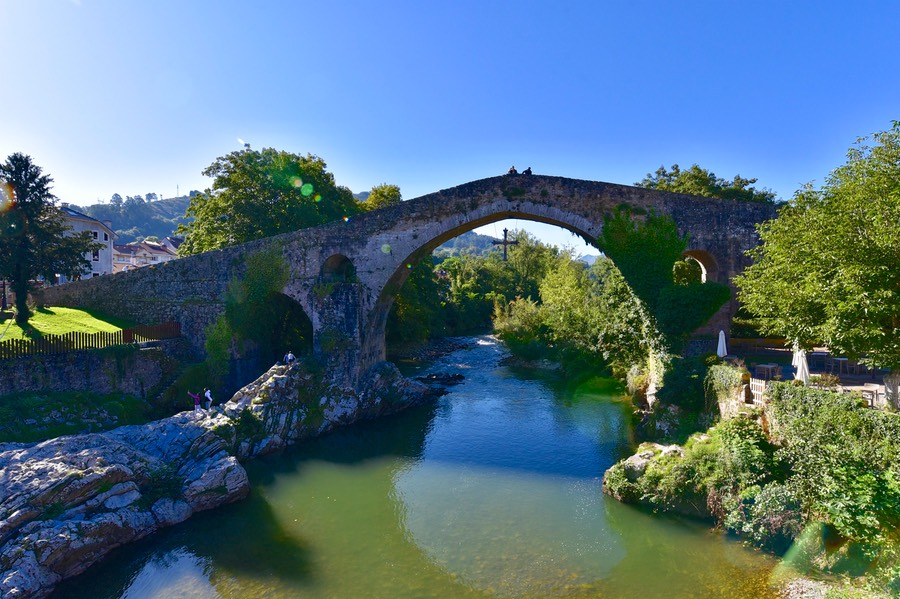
(504, 243)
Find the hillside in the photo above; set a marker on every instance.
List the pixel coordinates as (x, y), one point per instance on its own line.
(471, 243)
(135, 220)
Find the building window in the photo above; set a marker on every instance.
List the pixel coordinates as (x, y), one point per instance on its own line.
(96, 274)
(95, 256)
(106, 237)
(95, 234)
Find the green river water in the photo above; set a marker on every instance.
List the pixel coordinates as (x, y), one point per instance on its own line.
(492, 491)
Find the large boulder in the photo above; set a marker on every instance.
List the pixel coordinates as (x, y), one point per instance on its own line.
(67, 502)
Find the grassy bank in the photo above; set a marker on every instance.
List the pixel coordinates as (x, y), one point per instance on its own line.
(59, 321)
(30, 417)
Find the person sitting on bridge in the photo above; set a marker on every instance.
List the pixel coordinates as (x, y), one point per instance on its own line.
(512, 171)
(527, 171)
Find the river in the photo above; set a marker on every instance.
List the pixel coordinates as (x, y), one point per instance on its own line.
(492, 491)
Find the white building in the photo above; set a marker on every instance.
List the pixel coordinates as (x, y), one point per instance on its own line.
(102, 259)
(129, 256)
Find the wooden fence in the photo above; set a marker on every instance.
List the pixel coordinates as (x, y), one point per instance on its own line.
(75, 341)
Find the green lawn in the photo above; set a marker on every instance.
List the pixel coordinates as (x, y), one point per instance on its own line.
(59, 321)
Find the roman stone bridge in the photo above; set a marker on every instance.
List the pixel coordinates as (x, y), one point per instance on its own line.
(345, 274)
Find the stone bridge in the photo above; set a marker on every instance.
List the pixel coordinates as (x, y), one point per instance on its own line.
(345, 274)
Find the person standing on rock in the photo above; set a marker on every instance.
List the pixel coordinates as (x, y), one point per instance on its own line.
(289, 358)
(196, 398)
(208, 395)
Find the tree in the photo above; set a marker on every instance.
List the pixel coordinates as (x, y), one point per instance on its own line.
(381, 196)
(645, 252)
(701, 182)
(649, 255)
(33, 240)
(828, 266)
(594, 310)
(258, 194)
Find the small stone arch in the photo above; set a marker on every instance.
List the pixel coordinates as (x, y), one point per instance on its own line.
(708, 264)
(338, 269)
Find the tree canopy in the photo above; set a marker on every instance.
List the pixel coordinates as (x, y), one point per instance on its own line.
(33, 240)
(261, 193)
(649, 253)
(382, 196)
(828, 267)
(701, 182)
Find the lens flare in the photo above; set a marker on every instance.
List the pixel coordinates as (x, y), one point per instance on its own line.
(296, 181)
(386, 248)
(7, 196)
(318, 197)
(409, 266)
(346, 219)
(306, 189)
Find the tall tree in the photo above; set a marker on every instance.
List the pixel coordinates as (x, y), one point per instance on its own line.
(261, 193)
(33, 239)
(701, 182)
(381, 196)
(828, 267)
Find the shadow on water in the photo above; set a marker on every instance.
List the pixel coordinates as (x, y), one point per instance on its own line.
(261, 548)
(398, 435)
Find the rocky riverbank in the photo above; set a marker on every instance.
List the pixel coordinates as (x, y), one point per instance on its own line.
(67, 502)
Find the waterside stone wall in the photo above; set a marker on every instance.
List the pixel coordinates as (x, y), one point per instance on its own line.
(122, 369)
(66, 503)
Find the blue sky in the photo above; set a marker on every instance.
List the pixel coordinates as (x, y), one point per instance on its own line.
(129, 97)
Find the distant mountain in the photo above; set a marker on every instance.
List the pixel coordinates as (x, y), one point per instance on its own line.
(471, 243)
(134, 220)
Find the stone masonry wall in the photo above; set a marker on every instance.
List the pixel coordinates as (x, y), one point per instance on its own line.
(135, 372)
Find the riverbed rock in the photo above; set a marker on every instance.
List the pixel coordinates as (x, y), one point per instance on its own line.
(67, 502)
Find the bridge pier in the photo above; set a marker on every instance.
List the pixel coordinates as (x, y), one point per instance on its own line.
(338, 325)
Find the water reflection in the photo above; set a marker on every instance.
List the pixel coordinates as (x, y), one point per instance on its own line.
(492, 491)
(507, 495)
(179, 572)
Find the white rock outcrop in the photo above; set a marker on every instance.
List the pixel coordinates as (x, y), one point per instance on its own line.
(67, 502)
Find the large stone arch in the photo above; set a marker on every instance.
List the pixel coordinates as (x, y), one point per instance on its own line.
(379, 244)
(374, 335)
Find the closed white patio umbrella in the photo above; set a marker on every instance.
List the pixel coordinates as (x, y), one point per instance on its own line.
(721, 350)
(801, 366)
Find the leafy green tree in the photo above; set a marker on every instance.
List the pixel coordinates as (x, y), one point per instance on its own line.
(382, 196)
(649, 255)
(470, 298)
(256, 311)
(701, 182)
(828, 267)
(594, 310)
(33, 240)
(645, 252)
(261, 193)
(527, 265)
(418, 310)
